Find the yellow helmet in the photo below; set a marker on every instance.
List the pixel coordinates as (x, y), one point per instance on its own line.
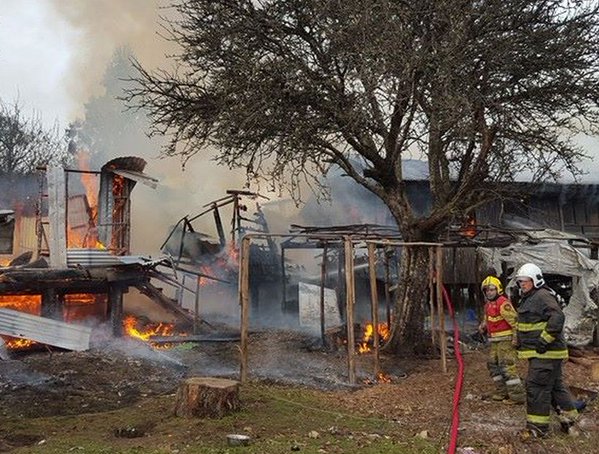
(492, 280)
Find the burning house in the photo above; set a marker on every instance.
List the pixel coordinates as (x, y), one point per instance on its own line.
(80, 265)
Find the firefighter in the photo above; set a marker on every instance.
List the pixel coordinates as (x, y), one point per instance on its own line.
(500, 324)
(541, 342)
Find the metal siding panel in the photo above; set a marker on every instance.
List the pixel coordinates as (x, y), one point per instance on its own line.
(44, 330)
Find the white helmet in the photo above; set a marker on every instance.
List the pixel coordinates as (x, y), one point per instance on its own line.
(531, 271)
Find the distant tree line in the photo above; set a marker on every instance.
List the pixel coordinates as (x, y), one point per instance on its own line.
(25, 143)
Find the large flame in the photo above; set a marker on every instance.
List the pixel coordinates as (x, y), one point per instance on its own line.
(89, 182)
(86, 237)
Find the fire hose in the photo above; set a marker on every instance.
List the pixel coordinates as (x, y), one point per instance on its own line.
(457, 392)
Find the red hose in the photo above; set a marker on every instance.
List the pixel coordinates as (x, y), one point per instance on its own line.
(457, 392)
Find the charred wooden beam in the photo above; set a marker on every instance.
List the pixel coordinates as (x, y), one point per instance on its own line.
(115, 307)
(51, 305)
(155, 294)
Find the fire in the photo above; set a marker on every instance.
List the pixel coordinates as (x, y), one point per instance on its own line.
(161, 329)
(233, 254)
(383, 331)
(89, 182)
(14, 343)
(31, 304)
(86, 236)
(381, 377)
(77, 306)
(80, 306)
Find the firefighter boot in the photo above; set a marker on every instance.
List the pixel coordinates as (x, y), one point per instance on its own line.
(567, 421)
(534, 431)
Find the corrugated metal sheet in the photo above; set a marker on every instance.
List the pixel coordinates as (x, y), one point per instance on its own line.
(100, 257)
(44, 330)
(138, 176)
(91, 257)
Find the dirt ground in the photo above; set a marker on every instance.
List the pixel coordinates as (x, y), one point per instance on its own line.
(49, 399)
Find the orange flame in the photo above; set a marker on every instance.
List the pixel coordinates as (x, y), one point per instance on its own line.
(383, 331)
(77, 306)
(31, 304)
(161, 329)
(89, 182)
(14, 343)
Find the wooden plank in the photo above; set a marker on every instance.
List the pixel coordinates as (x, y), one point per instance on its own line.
(56, 210)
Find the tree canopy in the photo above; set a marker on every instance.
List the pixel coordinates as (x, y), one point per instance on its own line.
(287, 88)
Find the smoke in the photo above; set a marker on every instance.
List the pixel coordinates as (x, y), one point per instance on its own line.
(105, 29)
(105, 26)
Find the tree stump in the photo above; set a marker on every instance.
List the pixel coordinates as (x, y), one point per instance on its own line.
(207, 397)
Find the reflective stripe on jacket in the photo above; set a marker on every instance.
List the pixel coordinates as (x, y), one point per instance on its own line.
(540, 319)
(500, 317)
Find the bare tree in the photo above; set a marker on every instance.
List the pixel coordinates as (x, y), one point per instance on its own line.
(481, 89)
(25, 143)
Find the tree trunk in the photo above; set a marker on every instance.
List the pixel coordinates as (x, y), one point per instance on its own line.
(407, 334)
(207, 397)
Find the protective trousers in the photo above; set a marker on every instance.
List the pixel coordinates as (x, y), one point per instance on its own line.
(502, 367)
(545, 388)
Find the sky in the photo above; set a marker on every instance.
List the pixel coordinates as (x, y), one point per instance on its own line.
(53, 53)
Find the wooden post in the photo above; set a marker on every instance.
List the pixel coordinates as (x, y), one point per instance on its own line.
(115, 302)
(349, 304)
(207, 397)
(196, 316)
(595, 371)
(323, 277)
(387, 287)
(244, 301)
(374, 306)
(51, 305)
(431, 293)
(283, 281)
(440, 309)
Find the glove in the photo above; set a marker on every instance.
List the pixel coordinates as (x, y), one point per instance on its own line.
(541, 346)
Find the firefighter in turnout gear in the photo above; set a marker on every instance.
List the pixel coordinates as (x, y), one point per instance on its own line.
(500, 324)
(541, 342)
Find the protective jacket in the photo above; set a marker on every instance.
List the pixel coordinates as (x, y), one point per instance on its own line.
(500, 317)
(541, 323)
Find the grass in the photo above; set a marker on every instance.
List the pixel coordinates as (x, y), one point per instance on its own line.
(279, 420)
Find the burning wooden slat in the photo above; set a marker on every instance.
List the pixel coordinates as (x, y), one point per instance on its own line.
(44, 330)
